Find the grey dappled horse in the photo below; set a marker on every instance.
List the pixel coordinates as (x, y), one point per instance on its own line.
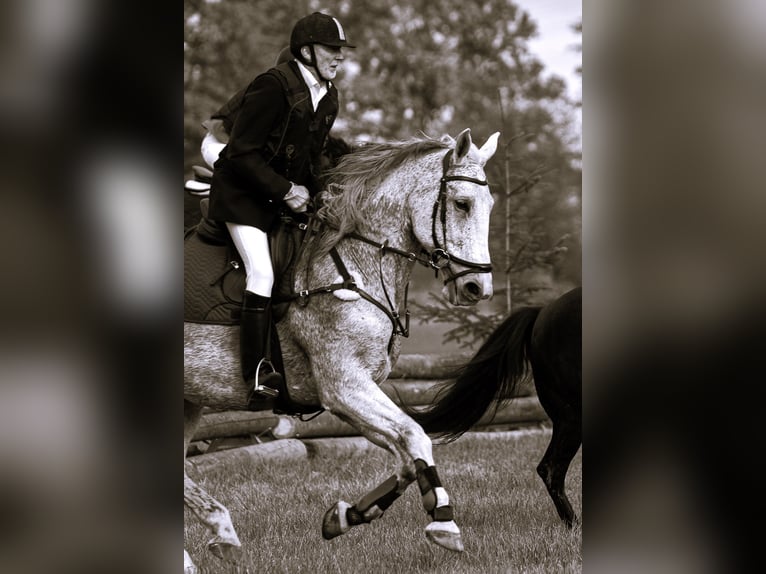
(387, 207)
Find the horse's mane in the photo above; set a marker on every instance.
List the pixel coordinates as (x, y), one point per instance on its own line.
(351, 183)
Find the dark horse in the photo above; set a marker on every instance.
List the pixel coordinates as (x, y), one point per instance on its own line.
(549, 340)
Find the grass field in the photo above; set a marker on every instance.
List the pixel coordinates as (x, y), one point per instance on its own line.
(508, 522)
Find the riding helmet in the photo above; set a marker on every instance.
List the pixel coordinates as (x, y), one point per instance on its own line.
(317, 28)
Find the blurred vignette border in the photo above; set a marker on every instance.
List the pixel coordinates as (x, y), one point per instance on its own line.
(673, 276)
(673, 327)
(89, 361)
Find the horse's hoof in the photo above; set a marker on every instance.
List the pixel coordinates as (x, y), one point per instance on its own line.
(334, 522)
(446, 535)
(571, 522)
(225, 551)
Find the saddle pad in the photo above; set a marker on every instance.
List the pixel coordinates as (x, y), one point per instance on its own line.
(214, 281)
(214, 276)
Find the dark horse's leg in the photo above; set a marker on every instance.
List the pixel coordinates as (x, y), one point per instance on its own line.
(556, 360)
(566, 440)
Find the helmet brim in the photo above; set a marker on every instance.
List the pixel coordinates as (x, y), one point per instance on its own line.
(337, 44)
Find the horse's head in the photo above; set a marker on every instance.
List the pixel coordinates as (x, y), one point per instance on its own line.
(453, 221)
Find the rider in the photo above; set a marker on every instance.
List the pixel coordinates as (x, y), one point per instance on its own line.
(272, 161)
(219, 126)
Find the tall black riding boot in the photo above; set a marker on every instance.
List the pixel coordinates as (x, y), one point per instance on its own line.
(254, 343)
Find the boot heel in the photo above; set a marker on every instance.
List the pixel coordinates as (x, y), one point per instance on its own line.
(266, 392)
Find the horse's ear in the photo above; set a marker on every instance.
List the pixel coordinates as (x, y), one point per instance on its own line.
(462, 146)
(489, 148)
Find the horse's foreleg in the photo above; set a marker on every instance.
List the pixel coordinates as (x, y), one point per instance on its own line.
(442, 530)
(340, 518)
(566, 439)
(368, 408)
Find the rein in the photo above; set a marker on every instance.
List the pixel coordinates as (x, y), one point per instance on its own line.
(438, 259)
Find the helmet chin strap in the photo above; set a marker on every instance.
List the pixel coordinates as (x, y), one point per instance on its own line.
(313, 64)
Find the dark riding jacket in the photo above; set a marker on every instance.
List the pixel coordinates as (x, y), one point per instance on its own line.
(276, 138)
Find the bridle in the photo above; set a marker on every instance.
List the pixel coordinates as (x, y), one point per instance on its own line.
(439, 259)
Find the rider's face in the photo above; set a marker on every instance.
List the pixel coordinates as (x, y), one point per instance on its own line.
(328, 60)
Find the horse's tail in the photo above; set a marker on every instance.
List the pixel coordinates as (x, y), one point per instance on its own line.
(492, 375)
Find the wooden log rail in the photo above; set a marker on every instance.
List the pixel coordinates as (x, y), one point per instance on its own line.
(520, 410)
(414, 382)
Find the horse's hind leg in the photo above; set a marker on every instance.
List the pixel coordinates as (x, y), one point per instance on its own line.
(566, 439)
(365, 406)
(225, 543)
(189, 567)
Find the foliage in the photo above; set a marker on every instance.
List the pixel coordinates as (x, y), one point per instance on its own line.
(471, 325)
(431, 67)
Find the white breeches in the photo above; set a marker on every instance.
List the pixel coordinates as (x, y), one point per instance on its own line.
(211, 148)
(253, 247)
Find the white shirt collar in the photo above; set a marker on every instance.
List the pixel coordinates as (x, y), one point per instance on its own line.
(316, 88)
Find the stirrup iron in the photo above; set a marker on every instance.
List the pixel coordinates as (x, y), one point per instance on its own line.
(262, 389)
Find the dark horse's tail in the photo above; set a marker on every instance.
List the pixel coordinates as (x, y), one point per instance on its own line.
(492, 375)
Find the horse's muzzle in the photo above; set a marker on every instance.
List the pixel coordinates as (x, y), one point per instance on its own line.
(469, 289)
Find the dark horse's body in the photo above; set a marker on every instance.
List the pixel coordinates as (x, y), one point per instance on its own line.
(549, 340)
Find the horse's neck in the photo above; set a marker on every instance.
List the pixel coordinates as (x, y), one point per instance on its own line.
(384, 221)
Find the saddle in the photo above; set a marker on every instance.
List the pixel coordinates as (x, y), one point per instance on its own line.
(214, 275)
(214, 282)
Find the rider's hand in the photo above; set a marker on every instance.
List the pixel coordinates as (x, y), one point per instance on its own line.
(297, 198)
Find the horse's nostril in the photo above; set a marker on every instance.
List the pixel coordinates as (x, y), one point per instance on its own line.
(472, 289)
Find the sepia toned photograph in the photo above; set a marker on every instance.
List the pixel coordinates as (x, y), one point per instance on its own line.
(382, 286)
(431, 252)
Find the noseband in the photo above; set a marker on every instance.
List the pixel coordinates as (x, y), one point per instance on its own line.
(440, 258)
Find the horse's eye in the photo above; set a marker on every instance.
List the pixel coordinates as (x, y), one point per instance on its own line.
(462, 205)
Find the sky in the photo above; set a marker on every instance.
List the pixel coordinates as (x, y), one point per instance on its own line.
(556, 41)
